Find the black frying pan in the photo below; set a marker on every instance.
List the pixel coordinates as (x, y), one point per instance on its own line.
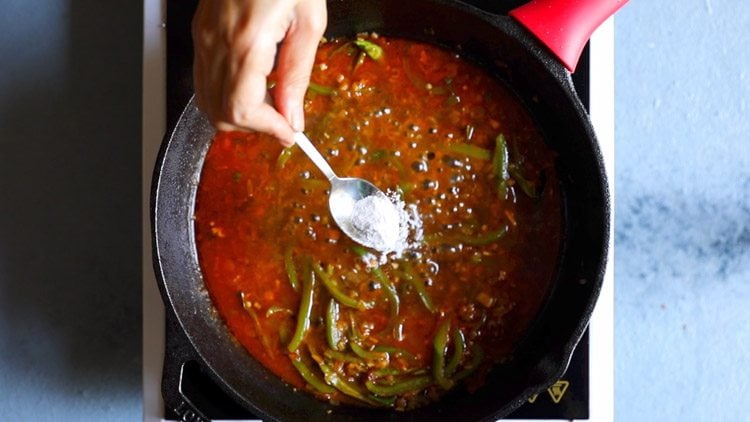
(506, 50)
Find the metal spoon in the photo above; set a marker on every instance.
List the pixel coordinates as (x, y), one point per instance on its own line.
(345, 192)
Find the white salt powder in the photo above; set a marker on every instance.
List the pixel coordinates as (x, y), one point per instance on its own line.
(386, 223)
(377, 220)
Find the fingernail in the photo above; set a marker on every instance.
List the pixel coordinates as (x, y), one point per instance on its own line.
(287, 142)
(298, 119)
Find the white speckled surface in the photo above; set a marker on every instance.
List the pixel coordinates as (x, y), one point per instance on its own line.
(682, 266)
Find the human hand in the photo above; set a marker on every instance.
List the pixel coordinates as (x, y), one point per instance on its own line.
(235, 44)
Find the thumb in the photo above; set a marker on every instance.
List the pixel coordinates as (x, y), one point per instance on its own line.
(296, 57)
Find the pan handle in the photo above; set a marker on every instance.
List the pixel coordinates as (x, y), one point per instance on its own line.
(565, 26)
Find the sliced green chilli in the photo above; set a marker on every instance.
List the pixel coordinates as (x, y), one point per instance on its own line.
(305, 307)
(440, 349)
(311, 378)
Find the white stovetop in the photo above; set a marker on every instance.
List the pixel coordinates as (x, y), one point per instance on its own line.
(601, 358)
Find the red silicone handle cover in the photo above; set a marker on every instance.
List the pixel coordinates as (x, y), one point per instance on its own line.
(565, 26)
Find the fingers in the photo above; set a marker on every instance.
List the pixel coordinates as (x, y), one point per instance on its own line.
(264, 119)
(246, 101)
(235, 47)
(296, 57)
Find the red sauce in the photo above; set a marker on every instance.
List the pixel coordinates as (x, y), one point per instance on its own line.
(420, 120)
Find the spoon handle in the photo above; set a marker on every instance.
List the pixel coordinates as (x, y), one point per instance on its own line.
(314, 155)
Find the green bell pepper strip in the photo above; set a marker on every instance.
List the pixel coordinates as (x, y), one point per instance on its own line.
(339, 295)
(418, 284)
(305, 308)
(500, 166)
(459, 345)
(372, 50)
(367, 354)
(278, 309)
(285, 155)
(342, 357)
(471, 151)
(409, 385)
(248, 307)
(311, 379)
(440, 349)
(390, 290)
(333, 334)
(291, 271)
(477, 356)
(320, 89)
(350, 389)
(470, 240)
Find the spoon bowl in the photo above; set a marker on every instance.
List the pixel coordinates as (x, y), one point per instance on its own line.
(346, 192)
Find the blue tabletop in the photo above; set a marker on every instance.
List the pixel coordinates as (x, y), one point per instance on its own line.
(682, 222)
(70, 260)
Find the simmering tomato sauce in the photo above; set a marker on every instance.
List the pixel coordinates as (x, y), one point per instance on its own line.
(329, 316)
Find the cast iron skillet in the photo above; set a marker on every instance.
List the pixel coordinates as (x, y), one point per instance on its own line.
(508, 51)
